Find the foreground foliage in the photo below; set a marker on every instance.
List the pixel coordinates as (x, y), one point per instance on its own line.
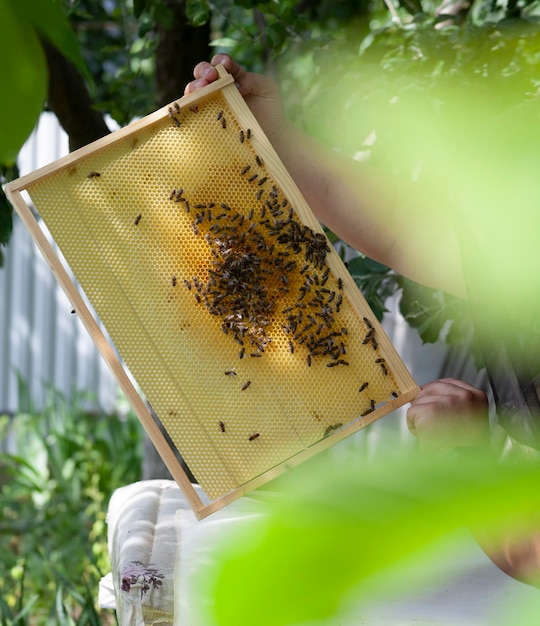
(344, 533)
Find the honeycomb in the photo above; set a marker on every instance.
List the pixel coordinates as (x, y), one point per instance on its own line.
(220, 299)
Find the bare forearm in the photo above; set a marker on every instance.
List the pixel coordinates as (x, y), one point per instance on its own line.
(387, 219)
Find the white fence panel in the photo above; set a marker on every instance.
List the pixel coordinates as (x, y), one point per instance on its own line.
(40, 340)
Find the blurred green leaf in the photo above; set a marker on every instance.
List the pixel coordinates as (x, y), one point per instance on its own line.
(47, 18)
(23, 74)
(334, 530)
(197, 12)
(139, 7)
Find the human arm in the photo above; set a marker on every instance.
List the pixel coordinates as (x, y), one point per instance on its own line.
(389, 220)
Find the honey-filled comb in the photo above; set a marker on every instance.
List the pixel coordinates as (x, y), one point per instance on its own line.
(219, 291)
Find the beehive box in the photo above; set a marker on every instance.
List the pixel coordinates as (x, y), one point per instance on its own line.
(217, 287)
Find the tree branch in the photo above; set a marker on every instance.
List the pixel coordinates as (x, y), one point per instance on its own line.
(180, 47)
(69, 99)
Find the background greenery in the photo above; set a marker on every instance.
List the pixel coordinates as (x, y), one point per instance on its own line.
(60, 468)
(348, 60)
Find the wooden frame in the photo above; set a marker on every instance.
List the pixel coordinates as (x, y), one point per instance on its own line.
(224, 85)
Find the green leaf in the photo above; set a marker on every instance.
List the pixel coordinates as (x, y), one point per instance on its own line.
(139, 7)
(336, 531)
(46, 17)
(23, 75)
(364, 265)
(197, 13)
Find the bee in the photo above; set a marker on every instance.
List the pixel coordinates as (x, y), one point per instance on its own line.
(241, 353)
(325, 276)
(367, 322)
(394, 394)
(368, 337)
(258, 195)
(94, 175)
(331, 428)
(252, 178)
(138, 219)
(241, 136)
(339, 283)
(194, 109)
(176, 122)
(230, 373)
(246, 385)
(308, 360)
(291, 346)
(382, 365)
(219, 116)
(245, 169)
(248, 133)
(177, 107)
(258, 160)
(173, 281)
(221, 426)
(262, 180)
(223, 123)
(362, 387)
(255, 354)
(171, 113)
(366, 412)
(253, 436)
(172, 194)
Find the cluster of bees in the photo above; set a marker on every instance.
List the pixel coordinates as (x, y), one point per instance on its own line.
(263, 257)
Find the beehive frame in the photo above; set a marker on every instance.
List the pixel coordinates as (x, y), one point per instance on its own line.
(218, 289)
